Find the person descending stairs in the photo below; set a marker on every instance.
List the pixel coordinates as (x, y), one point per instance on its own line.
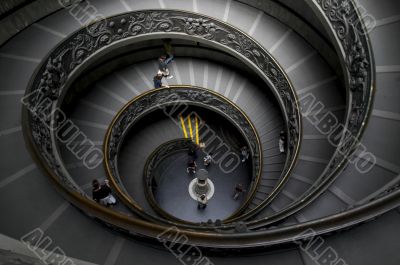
(164, 60)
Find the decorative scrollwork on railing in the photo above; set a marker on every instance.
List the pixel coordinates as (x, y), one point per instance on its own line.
(162, 152)
(352, 35)
(51, 78)
(348, 28)
(53, 74)
(153, 161)
(162, 98)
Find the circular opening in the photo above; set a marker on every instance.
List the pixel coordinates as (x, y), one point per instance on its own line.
(179, 174)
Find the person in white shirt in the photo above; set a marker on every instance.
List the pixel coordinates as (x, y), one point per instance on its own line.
(207, 159)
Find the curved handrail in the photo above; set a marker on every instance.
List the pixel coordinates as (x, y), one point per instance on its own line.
(65, 59)
(153, 161)
(345, 25)
(226, 242)
(157, 99)
(251, 239)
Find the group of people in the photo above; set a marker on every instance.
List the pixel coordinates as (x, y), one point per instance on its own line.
(101, 193)
(163, 70)
(207, 159)
(192, 165)
(192, 168)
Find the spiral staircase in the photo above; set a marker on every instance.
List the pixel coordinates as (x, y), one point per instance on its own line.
(258, 63)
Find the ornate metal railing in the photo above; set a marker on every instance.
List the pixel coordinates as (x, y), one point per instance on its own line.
(343, 20)
(50, 82)
(175, 96)
(153, 161)
(52, 79)
(346, 27)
